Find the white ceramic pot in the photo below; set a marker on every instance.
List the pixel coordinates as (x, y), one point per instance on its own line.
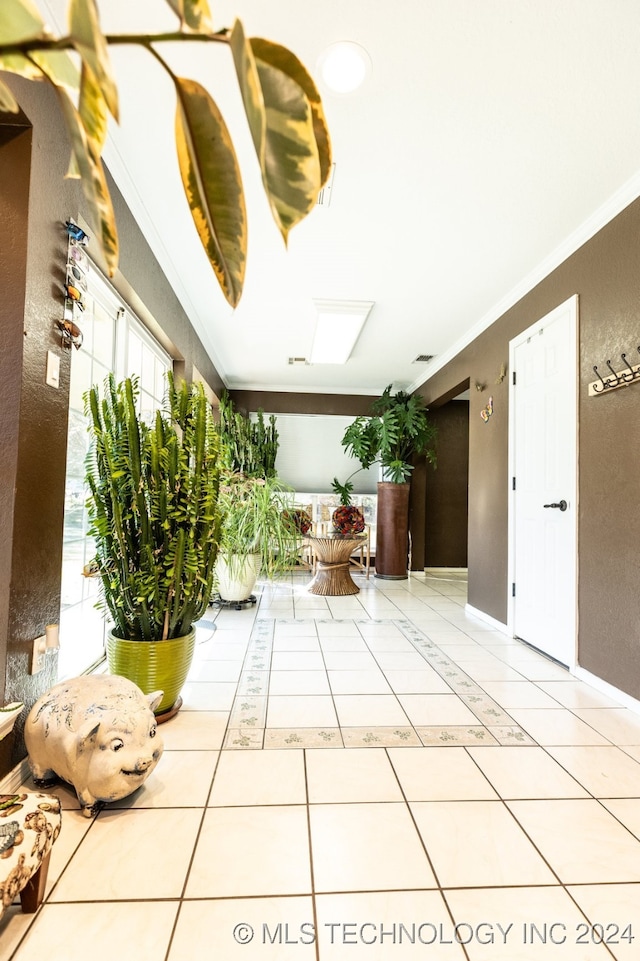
(237, 575)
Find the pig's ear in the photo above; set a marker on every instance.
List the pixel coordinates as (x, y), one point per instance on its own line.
(87, 734)
(154, 699)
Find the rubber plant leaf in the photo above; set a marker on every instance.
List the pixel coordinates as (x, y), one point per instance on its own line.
(283, 59)
(281, 123)
(212, 183)
(8, 102)
(94, 184)
(90, 43)
(93, 108)
(19, 21)
(194, 14)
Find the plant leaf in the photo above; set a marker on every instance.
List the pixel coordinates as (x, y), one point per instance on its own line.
(194, 14)
(94, 184)
(8, 102)
(90, 43)
(93, 108)
(212, 183)
(283, 59)
(19, 20)
(281, 124)
(58, 66)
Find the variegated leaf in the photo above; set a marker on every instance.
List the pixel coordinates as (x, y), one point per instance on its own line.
(283, 59)
(282, 127)
(19, 20)
(94, 183)
(194, 14)
(20, 65)
(59, 67)
(8, 102)
(212, 183)
(90, 43)
(93, 107)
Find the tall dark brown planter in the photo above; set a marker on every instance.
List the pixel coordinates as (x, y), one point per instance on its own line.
(392, 531)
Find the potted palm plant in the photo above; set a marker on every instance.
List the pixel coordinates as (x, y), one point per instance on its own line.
(155, 519)
(259, 533)
(397, 431)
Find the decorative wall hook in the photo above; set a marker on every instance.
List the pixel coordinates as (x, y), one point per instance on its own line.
(503, 373)
(71, 334)
(487, 411)
(479, 386)
(75, 285)
(630, 374)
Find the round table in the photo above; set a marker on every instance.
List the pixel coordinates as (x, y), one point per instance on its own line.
(332, 552)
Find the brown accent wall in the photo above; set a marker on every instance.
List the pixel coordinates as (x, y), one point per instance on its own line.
(446, 502)
(35, 201)
(605, 273)
(282, 402)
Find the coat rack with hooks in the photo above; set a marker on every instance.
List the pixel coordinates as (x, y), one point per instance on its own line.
(630, 374)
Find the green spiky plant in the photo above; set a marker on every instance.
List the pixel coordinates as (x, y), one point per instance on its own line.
(397, 431)
(250, 447)
(154, 508)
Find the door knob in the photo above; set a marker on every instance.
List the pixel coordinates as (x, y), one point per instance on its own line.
(562, 505)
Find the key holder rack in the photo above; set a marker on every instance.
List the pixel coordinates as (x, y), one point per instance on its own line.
(630, 374)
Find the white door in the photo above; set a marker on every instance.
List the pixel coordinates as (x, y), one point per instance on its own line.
(543, 462)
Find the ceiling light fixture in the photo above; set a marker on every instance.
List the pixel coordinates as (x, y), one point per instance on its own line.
(338, 327)
(344, 66)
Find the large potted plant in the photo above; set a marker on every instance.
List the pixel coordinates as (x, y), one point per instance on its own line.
(397, 431)
(155, 520)
(259, 533)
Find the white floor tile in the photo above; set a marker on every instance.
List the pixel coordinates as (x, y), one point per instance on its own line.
(581, 840)
(366, 847)
(251, 851)
(440, 775)
(246, 778)
(478, 843)
(361, 774)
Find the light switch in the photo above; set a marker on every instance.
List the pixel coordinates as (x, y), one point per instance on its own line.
(53, 369)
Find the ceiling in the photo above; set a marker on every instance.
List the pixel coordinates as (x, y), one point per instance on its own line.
(491, 139)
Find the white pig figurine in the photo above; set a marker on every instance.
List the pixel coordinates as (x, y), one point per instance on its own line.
(98, 733)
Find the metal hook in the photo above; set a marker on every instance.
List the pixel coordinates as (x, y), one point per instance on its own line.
(596, 389)
(628, 377)
(616, 376)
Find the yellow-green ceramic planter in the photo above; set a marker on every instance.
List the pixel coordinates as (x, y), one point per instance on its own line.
(153, 665)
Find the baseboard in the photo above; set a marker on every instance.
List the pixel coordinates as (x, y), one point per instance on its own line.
(446, 570)
(482, 616)
(15, 778)
(625, 700)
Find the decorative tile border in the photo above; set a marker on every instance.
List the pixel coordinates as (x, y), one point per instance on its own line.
(248, 714)
(248, 711)
(303, 737)
(448, 736)
(247, 739)
(380, 737)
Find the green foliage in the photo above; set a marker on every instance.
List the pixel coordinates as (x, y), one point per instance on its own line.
(344, 491)
(283, 107)
(256, 515)
(397, 431)
(251, 447)
(154, 508)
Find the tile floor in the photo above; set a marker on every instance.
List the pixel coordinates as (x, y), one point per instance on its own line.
(371, 777)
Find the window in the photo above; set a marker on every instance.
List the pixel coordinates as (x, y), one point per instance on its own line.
(114, 340)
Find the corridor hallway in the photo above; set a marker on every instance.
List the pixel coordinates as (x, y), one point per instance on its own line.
(379, 777)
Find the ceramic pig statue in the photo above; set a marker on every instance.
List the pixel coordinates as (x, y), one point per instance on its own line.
(96, 732)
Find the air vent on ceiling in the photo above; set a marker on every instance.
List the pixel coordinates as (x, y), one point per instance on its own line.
(423, 358)
(324, 197)
(298, 360)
